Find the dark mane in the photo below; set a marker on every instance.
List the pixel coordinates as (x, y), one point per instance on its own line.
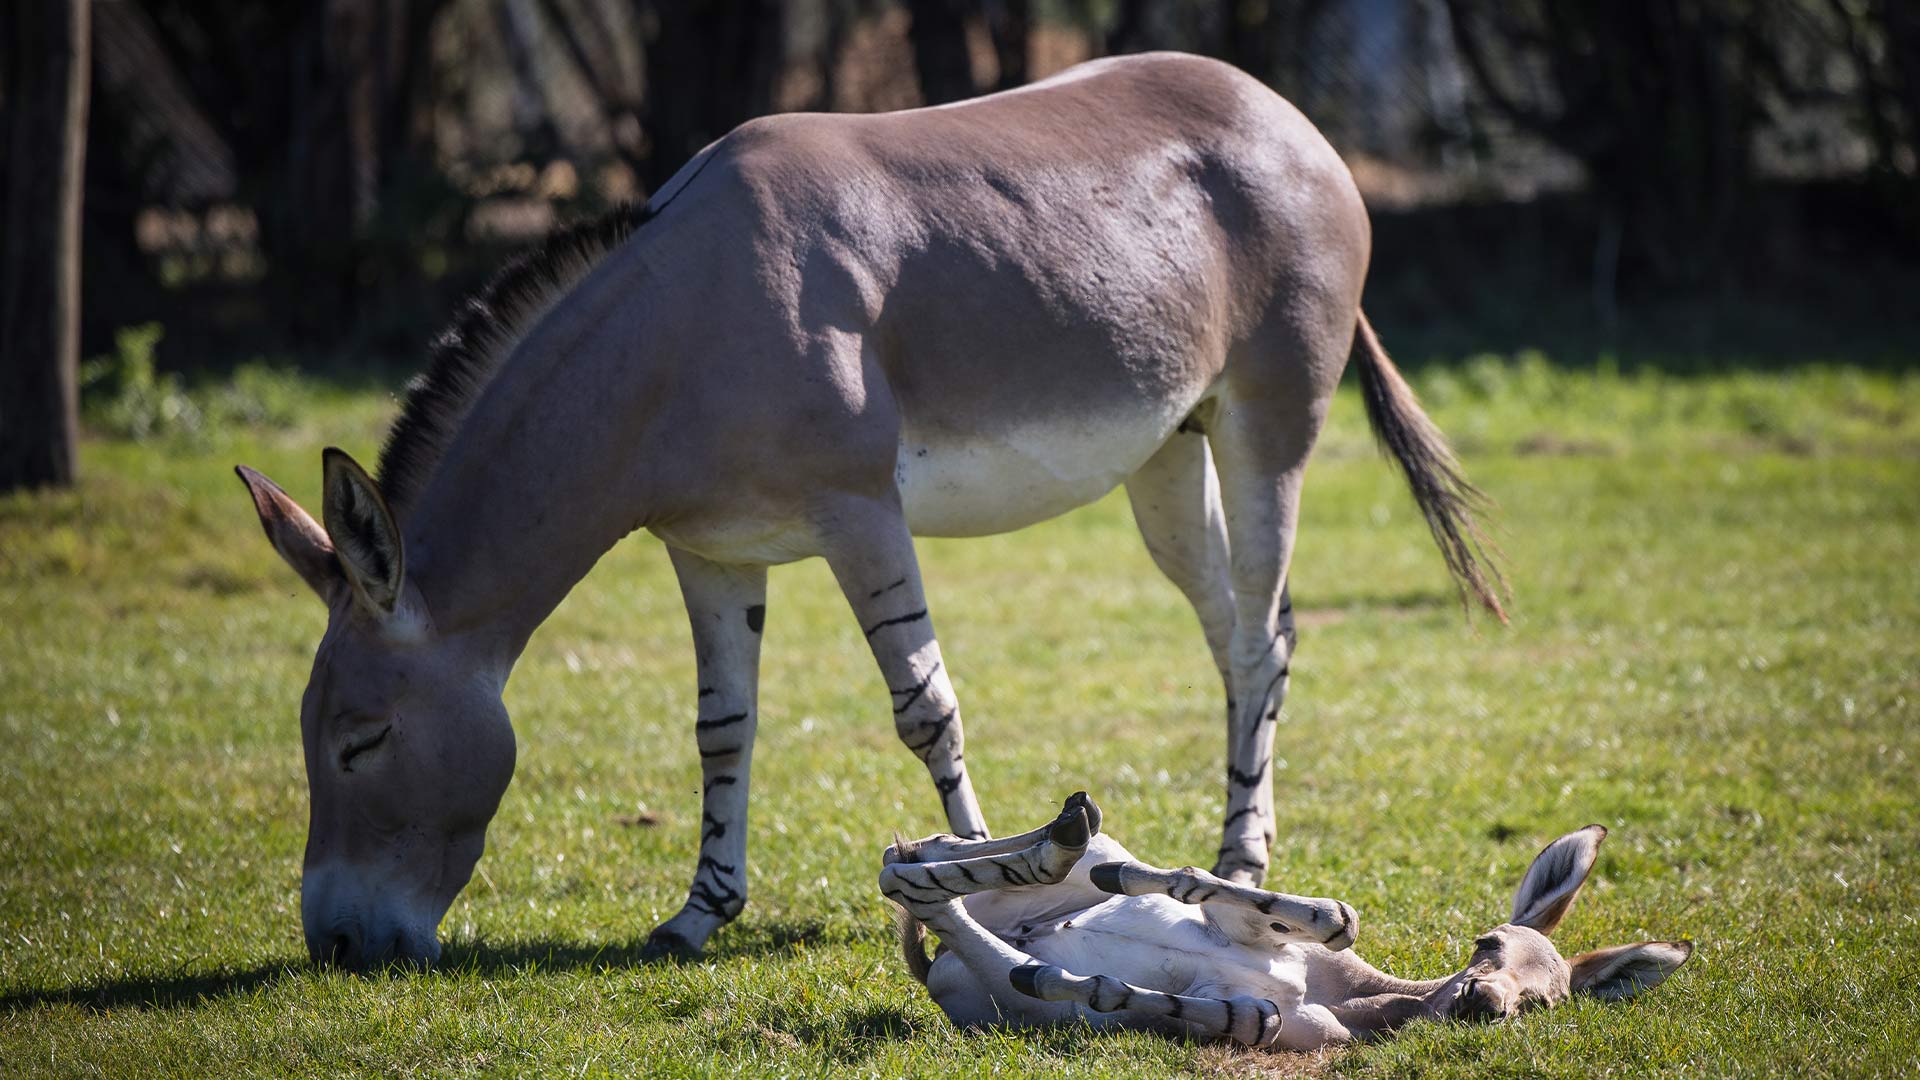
(463, 359)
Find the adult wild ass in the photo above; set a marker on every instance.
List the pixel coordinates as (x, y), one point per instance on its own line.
(1061, 924)
(825, 335)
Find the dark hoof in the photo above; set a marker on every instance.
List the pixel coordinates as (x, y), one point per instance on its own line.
(1106, 877)
(1085, 802)
(1026, 979)
(1070, 829)
(666, 944)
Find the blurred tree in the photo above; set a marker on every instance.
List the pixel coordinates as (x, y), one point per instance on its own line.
(710, 67)
(320, 106)
(1010, 24)
(940, 57)
(1659, 100)
(46, 84)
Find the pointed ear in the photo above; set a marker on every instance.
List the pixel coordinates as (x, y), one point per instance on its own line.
(294, 534)
(1555, 878)
(363, 533)
(1625, 970)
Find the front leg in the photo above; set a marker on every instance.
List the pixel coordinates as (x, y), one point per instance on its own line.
(1252, 1021)
(873, 559)
(727, 608)
(1247, 915)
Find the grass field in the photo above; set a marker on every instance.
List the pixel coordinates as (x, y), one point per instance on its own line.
(1716, 653)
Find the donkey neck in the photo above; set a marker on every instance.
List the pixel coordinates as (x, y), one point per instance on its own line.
(549, 468)
(1343, 976)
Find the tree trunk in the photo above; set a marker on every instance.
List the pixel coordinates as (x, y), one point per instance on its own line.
(46, 123)
(710, 68)
(1010, 24)
(939, 36)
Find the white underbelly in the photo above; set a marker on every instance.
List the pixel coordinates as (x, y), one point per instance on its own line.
(995, 482)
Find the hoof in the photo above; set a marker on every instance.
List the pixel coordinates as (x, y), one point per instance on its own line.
(664, 944)
(1106, 877)
(1070, 829)
(1085, 802)
(1026, 978)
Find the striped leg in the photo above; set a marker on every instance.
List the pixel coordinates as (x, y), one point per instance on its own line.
(946, 847)
(1261, 467)
(727, 607)
(880, 576)
(1249, 1020)
(1247, 915)
(930, 889)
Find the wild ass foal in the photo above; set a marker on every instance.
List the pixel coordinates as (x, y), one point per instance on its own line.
(825, 335)
(1061, 924)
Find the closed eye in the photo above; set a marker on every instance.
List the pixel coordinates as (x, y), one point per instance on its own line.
(354, 750)
(1487, 943)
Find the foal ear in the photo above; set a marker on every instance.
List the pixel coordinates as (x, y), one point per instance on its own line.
(294, 534)
(363, 533)
(1625, 970)
(1555, 878)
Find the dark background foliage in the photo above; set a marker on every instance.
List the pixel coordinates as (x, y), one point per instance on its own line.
(320, 181)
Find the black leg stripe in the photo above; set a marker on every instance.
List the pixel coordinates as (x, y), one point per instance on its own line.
(913, 692)
(900, 621)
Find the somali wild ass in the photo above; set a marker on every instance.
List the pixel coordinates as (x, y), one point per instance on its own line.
(824, 336)
(1061, 924)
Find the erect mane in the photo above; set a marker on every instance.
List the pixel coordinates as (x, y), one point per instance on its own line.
(467, 354)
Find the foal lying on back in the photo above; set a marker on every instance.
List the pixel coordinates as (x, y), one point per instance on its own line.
(1188, 953)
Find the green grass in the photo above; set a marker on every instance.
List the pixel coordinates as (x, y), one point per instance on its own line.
(1716, 653)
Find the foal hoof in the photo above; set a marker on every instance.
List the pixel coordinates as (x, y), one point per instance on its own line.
(1085, 802)
(1071, 829)
(665, 944)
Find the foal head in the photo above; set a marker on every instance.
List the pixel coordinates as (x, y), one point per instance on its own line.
(1516, 966)
(408, 747)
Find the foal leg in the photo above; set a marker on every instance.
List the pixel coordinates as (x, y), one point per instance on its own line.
(872, 557)
(727, 607)
(1251, 1021)
(1249, 916)
(932, 893)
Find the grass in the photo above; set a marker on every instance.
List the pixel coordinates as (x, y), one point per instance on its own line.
(1716, 653)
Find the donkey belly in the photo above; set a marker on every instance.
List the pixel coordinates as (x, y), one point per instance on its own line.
(985, 482)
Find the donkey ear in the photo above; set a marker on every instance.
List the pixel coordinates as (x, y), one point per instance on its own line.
(1625, 970)
(363, 533)
(1555, 878)
(294, 534)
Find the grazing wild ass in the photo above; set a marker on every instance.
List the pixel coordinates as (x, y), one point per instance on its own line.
(1061, 924)
(824, 336)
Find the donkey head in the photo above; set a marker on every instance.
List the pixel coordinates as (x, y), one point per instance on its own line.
(408, 747)
(1515, 965)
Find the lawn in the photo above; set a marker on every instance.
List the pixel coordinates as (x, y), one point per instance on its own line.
(1715, 652)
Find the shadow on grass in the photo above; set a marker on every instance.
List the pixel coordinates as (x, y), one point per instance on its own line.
(177, 992)
(465, 958)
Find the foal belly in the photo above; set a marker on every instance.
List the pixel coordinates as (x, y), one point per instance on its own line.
(982, 483)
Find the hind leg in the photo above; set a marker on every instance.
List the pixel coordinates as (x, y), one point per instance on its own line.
(1260, 445)
(1176, 504)
(933, 893)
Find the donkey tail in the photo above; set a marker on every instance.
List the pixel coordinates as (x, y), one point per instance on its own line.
(1451, 504)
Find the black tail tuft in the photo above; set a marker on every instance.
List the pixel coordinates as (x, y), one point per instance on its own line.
(1451, 504)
